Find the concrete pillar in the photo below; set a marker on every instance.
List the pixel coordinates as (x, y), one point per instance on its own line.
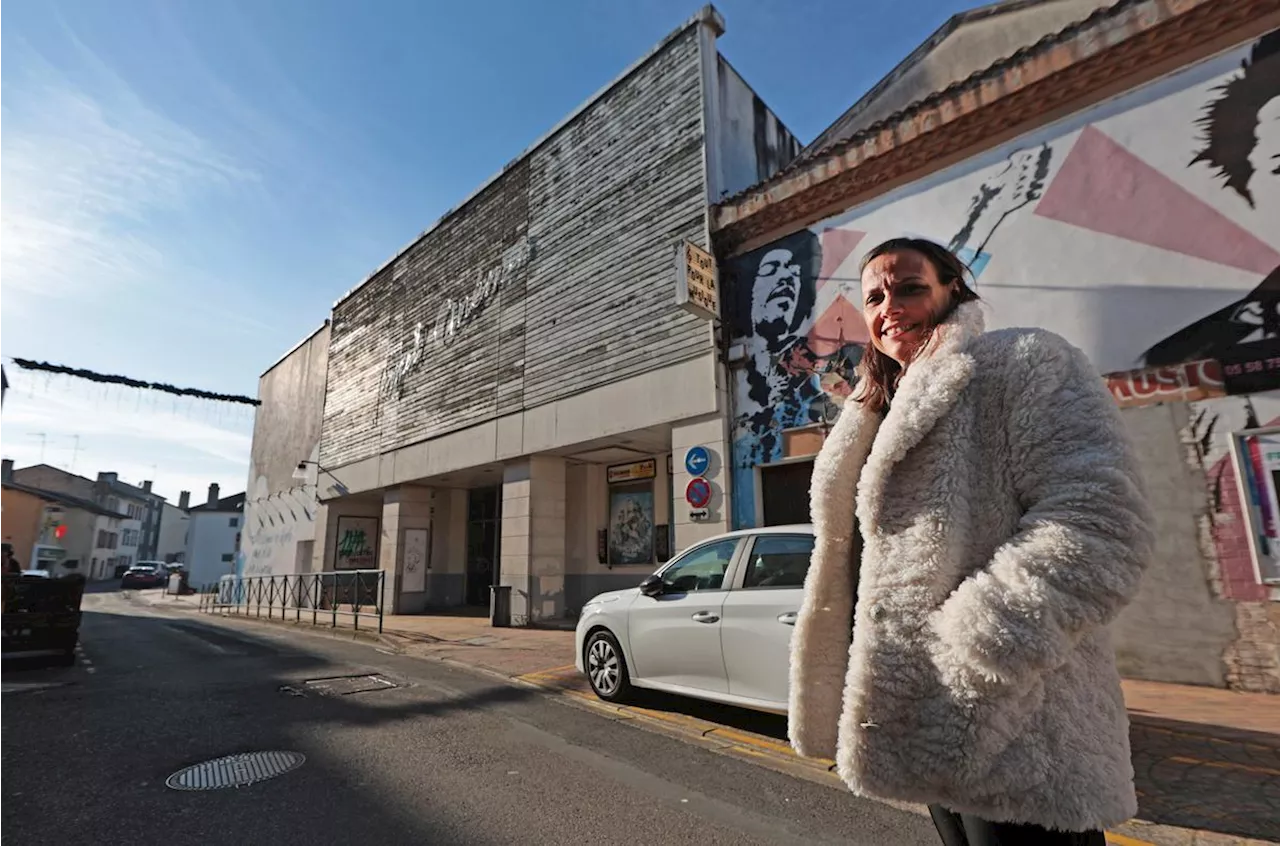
(403, 508)
(322, 552)
(533, 538)
(710, 432)
(447, 578)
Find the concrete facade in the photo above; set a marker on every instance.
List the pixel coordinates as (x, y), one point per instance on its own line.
(508, 400)
(280, 509)
(1069, 225)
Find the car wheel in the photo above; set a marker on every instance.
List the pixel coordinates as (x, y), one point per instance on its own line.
(606, 668)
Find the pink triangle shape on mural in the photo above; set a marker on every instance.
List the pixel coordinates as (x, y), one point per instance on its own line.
(841, 323)
(837, 244)
(1105, 188)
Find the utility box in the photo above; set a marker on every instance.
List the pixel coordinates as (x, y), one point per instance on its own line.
(500, 606)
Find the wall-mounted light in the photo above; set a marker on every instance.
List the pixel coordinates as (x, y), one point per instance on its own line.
(301, 475)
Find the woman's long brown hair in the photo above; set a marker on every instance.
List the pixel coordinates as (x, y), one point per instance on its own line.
(878, 374)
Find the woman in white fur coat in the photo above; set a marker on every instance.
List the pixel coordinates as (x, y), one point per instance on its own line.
(980, 499)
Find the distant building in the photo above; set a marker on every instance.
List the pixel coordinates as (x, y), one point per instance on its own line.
(172, 546)
(213, 537)
(59, 532)
(140, 509)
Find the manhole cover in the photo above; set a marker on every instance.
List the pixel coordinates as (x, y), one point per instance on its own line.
(235, 770)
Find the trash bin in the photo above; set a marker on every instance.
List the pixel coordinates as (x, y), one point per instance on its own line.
(500, 606)
(175, 585)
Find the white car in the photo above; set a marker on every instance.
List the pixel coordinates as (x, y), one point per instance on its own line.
(714, 623)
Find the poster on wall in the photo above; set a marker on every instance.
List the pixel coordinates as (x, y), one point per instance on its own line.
(415, 561)
(1260, 457)
(631, 527)
(357, 544)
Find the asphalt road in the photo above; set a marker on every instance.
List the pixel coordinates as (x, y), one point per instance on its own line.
(444, 757)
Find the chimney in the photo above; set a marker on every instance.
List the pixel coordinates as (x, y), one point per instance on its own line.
(146, 486)
(184, 500)
(108, 478)
(213, 494)
(7, 471)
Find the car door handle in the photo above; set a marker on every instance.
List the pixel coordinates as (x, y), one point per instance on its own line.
(705, 617)
(788, 619)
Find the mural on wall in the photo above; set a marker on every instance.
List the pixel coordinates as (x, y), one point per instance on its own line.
(1240, 134)
(1011, 188)
(630, 527)
(1145, 231)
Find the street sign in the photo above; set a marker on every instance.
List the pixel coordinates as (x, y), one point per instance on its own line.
(699, 514)
(697, 460)
(698, 493)
(697, 285)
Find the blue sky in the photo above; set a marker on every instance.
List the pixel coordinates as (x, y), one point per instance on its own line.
(188, 186)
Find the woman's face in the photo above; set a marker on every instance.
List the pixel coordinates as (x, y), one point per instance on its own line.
(902, 298)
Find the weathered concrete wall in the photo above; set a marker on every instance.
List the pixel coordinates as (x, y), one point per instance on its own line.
(280, 510)
(1178, 628)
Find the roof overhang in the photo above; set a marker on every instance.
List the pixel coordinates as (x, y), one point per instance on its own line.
(1111, 52)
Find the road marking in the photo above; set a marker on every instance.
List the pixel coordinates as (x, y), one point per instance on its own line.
(1224, 765)
(212, 646)
(1122, 840)
(1205, 737)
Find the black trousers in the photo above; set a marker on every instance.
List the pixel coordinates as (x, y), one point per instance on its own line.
(968, 830)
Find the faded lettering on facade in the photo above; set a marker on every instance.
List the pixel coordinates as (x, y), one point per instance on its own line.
(452, 317)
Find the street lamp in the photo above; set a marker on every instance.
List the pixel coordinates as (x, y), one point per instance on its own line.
(300, 474)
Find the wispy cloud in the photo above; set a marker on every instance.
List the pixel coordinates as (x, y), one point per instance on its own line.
(181, 445)
(87, 170)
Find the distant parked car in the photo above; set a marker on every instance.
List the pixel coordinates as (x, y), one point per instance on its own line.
(144, 575)
(715, 623)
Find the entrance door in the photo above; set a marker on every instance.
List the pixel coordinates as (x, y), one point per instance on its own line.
(483, 533)
(785, 492)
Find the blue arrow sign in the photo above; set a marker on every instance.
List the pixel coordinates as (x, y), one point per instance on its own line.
(697, 460)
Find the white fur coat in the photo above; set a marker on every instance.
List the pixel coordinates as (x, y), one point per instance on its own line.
(1001, 525)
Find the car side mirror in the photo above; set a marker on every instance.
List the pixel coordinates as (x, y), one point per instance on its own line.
(652, 586)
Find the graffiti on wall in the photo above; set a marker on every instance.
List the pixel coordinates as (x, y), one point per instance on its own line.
(1144, 231)
(452, 317)
(357, 544)
(274, 526)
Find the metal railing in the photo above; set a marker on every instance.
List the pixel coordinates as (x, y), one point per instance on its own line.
(324, 597)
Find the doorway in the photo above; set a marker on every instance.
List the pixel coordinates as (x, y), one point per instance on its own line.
(484, 532)
(785, 492)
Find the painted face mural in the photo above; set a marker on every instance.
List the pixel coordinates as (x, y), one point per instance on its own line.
(774, 297)
(1241, 137)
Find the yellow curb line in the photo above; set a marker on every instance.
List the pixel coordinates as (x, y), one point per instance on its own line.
(1226, 765)
(1209, 738)
(1122, 840)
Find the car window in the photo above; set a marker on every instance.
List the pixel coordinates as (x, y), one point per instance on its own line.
(702, 568)
(778, 561)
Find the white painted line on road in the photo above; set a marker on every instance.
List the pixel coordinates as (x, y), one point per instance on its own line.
(211, 646)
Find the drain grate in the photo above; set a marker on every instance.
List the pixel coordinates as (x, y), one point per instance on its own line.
(347, 685)
(235, 770)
